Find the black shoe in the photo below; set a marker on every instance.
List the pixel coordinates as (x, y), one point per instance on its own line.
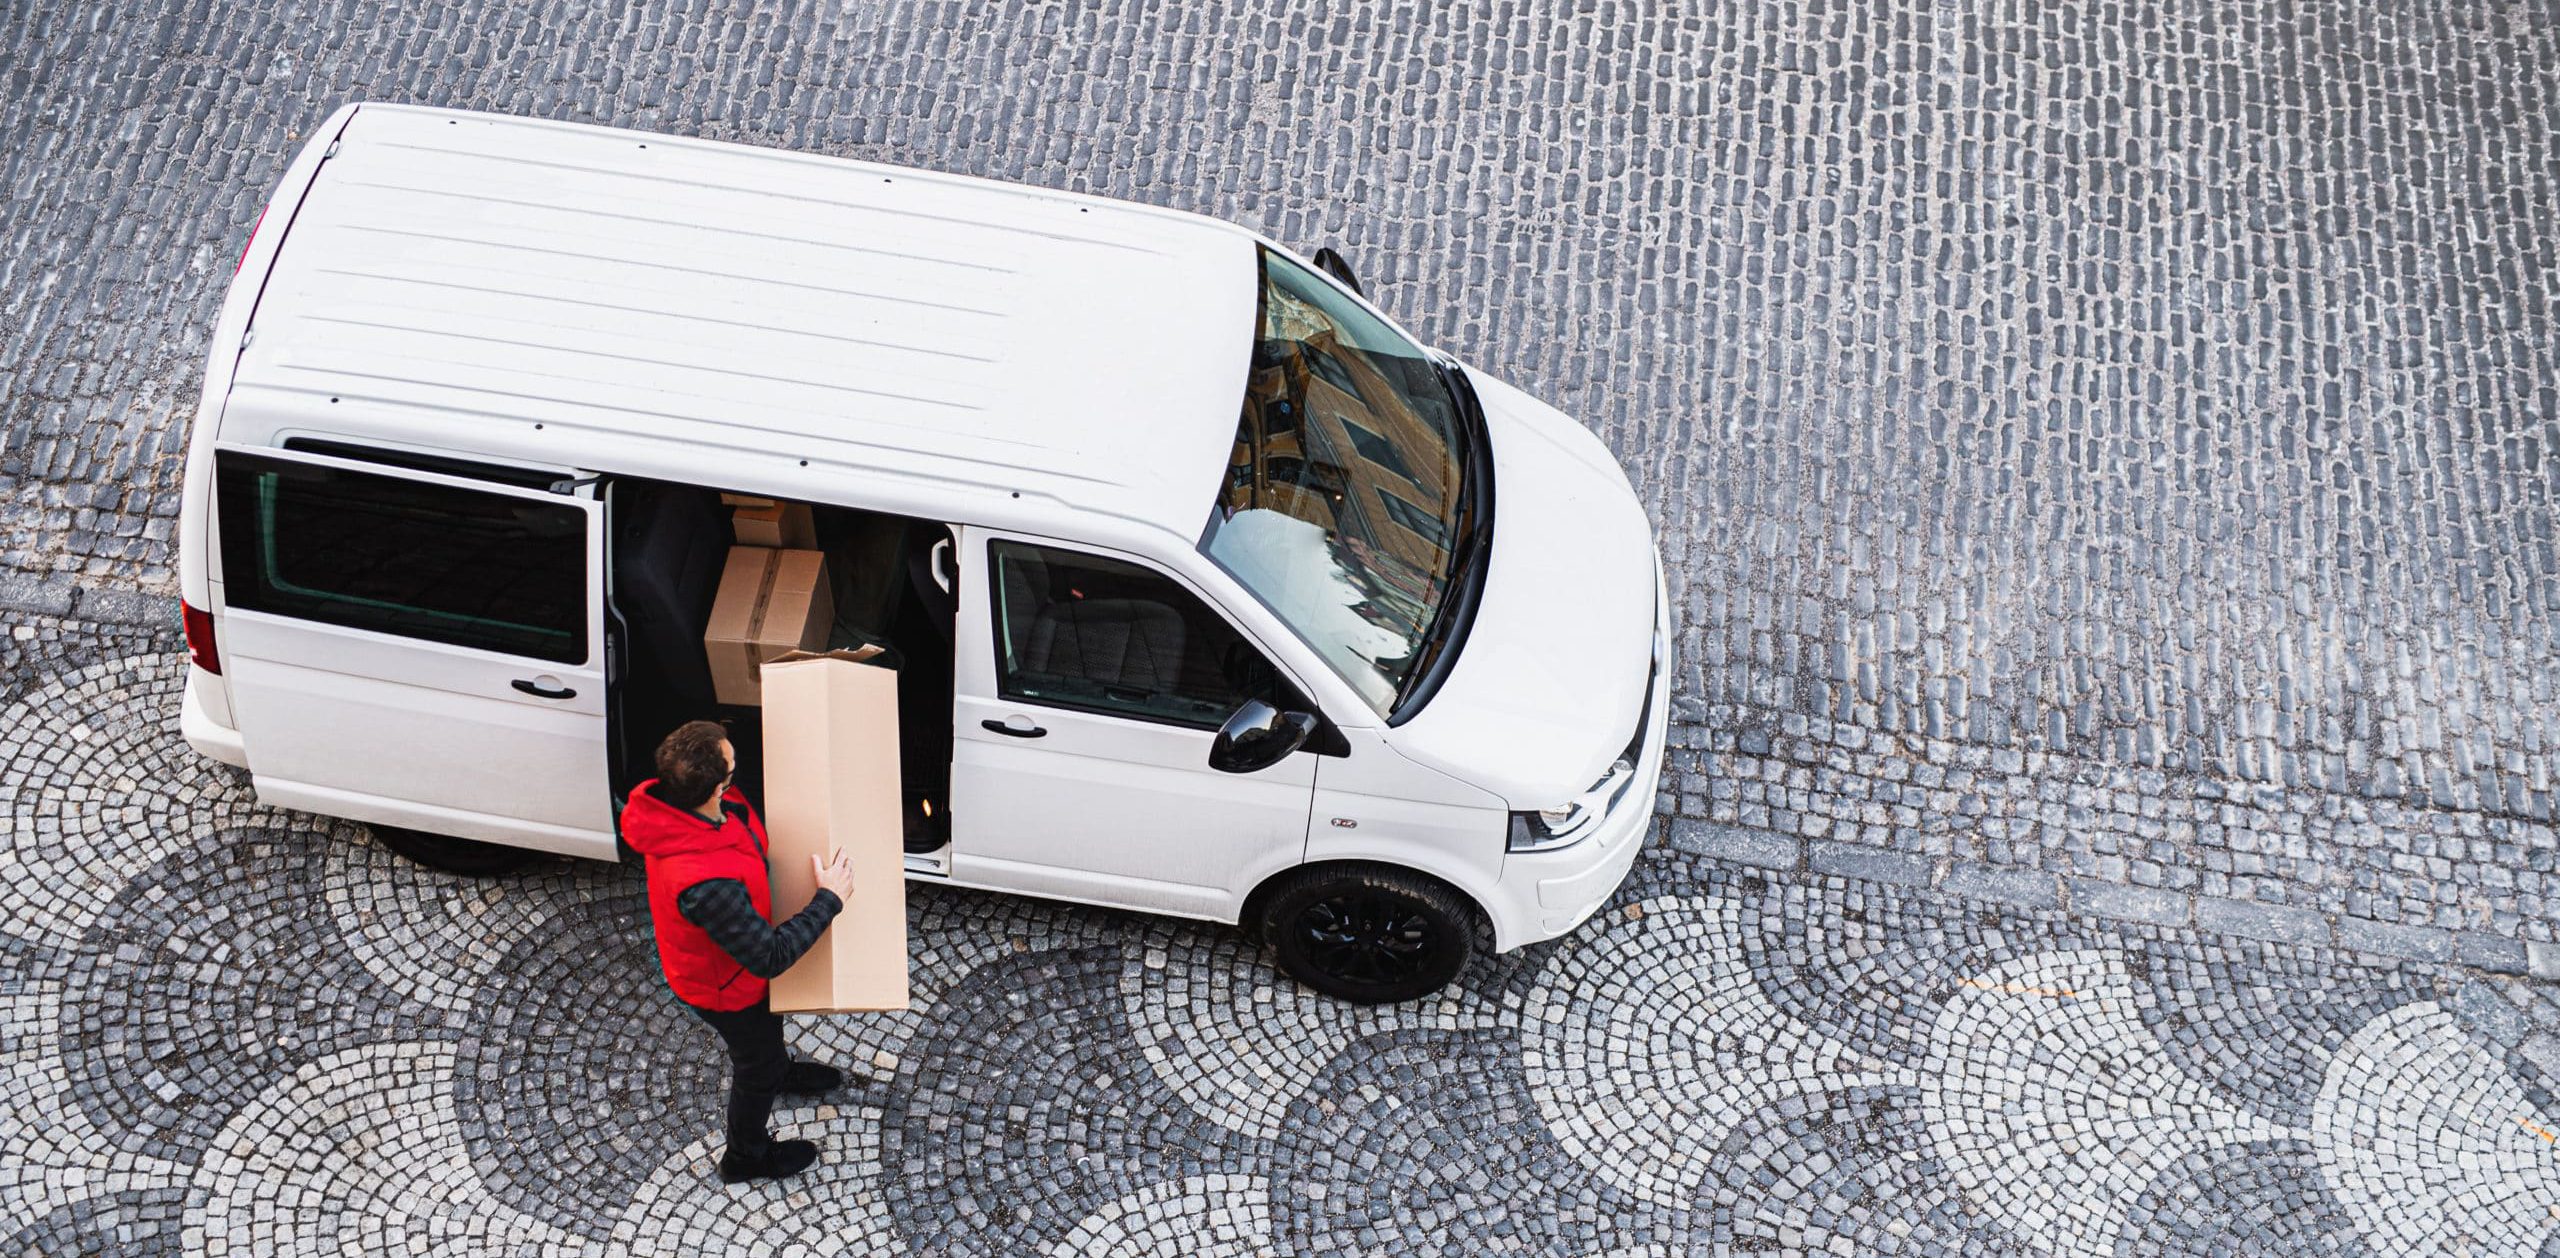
(808, 1078)
(782, 1158)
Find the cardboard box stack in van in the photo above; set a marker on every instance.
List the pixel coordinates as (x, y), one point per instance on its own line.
(769, 601)
(831, 782)
(778, 524)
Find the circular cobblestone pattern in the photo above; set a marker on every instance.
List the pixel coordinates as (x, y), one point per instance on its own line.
(264, 1035)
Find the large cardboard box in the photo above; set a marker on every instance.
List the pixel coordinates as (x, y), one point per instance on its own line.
(831, 781)
(784, 525)
(769, 601)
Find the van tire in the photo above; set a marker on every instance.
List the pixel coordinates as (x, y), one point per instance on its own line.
(1367, 934)
(468, 857)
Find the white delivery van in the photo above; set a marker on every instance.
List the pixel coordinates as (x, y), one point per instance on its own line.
(1213, 592)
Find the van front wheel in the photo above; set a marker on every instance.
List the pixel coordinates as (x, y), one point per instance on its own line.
(1369, 935)
(468, 857)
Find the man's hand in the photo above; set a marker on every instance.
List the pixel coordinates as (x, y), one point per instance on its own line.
(835, 873)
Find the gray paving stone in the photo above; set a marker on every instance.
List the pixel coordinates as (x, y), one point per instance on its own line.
(2490, 952)
(1737, 844)
(125, 607)
(2487, 1014)
(1849, 860)
(2026, 890)
(2129, 904)
(2275, 923)
(23, 592)
(2415, 943)
(2542, 1048)
(2542, 960)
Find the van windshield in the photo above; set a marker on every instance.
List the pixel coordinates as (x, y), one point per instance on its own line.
(1347, 507)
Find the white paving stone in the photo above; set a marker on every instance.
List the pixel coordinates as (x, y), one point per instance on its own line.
(2431, 1146)
(1646, 1040)
(2054, 1107)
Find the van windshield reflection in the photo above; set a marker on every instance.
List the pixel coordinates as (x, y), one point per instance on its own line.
(1344, 497)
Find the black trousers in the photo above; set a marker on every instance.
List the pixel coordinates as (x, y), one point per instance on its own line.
(758, 1063)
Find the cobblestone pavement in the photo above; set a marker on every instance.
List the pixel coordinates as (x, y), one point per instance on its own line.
(2104, 452)
(2133, 403)
(237, 1030)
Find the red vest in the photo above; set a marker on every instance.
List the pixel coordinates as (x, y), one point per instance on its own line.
(683, 848)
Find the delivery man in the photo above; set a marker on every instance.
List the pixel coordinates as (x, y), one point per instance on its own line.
(713, 910)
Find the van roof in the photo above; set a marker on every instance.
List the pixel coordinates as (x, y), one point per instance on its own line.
(586, 297)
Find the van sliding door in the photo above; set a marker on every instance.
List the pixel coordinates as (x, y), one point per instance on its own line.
(415, 649)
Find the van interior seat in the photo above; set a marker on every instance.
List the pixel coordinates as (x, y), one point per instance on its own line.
(1123, 642)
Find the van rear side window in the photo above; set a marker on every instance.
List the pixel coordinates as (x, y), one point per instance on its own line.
(393, 555)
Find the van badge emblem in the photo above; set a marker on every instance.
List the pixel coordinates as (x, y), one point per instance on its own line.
(1346, 823)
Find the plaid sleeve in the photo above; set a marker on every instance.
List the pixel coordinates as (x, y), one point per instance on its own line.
(723, 910)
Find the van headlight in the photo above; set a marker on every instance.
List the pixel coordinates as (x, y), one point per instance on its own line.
(1549, 828)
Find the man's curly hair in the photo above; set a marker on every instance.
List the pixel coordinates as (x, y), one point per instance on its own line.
(689, 763)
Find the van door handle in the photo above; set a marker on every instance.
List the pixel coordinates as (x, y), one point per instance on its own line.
(541, 691)
(1002, 728)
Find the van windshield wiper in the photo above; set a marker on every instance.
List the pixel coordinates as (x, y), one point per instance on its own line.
(1465, 585)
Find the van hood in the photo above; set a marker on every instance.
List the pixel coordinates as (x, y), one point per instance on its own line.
(1551, 680)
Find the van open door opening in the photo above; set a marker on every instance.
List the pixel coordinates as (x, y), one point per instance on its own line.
(888, 584)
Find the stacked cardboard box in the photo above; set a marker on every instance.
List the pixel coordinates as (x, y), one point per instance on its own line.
(769, 602)
(782, 525)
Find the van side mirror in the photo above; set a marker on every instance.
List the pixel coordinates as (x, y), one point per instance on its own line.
(1258, 736)
(1331, 263)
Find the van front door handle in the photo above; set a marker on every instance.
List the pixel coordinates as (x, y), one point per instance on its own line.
(540, 690)
(1002, 728)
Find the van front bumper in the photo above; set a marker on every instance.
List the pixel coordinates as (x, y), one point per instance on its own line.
(1553, 892)
(1547, 894)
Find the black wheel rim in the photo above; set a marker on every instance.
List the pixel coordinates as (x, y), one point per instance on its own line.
(1368, 938)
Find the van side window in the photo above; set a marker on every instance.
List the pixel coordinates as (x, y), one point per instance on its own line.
(399, 556)
(1082, 631)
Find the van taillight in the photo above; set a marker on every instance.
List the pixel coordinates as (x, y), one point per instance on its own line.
(200, 637)
(244, 254)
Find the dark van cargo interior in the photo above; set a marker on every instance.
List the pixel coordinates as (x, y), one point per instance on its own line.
(894, 581)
